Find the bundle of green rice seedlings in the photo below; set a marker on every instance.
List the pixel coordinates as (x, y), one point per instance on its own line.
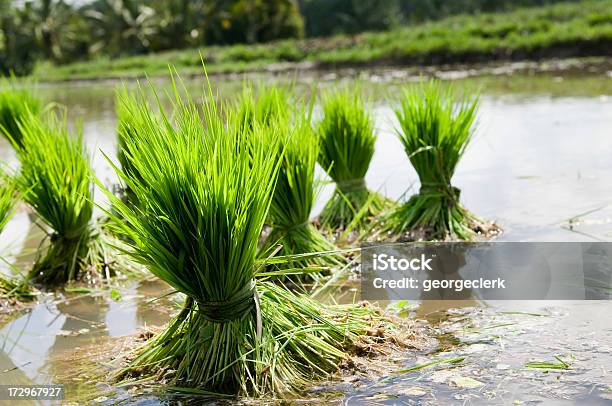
(15, 103)
(56, 182)
(295, 189)
(204, 193)
(347, 138)
(292, 203)
(436, 126)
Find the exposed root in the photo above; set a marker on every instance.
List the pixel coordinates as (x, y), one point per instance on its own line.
(430, 217)
(383, 338)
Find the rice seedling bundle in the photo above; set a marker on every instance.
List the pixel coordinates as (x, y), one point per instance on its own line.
(294, 196)
(56, 182)
(295, 189)
(15, 103)
(436, 126)
(204, 188)
(347, 138)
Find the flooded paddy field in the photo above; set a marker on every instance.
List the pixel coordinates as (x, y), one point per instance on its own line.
(540, 167)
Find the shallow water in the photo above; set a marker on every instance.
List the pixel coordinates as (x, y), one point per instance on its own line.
(542, 156)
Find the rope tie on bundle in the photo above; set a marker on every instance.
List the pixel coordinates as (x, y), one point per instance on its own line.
(71, 236)
(444, 189)
(351, 185)
(287, 230)
(236, 307)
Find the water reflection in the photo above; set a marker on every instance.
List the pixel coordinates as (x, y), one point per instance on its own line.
(26, 341)
(84, 328)
(154, 308)
(451, 259)
(60, 340)
(495, 344)
(84, 323)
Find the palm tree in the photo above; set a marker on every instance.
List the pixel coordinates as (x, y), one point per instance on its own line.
(17, 47)
(58, 29)
(121, 26)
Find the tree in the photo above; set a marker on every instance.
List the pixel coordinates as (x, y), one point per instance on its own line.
(327, 17)
(121, 27)
(175, 20)
(60, 31)
(17, 45)
(254, 21)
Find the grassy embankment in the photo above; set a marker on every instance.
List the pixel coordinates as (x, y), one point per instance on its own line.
(562, 30)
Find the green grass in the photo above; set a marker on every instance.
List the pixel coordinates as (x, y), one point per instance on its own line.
(451, 361)
(347, 137)
(560, 30)
(204, 188)
(15, 103)
(126, 109)
(271, 108)
(56, 182)
(435, 128)
(560, 365)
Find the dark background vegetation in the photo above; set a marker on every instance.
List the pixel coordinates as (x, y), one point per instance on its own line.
(65, 31)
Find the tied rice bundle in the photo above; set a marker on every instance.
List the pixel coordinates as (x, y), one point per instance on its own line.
(292, 203)
(204, 189)
(57, 183)
(435, 128)
(347, 138)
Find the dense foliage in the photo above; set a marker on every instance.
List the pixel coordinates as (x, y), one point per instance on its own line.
(63, 31)
(328, 17)
(17, 45)
(562, 30)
